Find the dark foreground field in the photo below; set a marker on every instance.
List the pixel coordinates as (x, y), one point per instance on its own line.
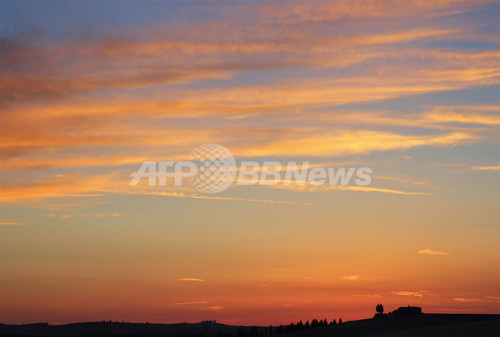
(428, 325)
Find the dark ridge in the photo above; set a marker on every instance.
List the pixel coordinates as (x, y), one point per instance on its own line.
(404, 324)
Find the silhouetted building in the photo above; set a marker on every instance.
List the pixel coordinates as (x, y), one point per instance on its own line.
(407, 311)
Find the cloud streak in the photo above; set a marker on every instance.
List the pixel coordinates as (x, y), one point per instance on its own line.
(492, 168)
(431, 252)
(420, 293)
(190, 303)
(11, 223)
(350, 278)
(191, 279)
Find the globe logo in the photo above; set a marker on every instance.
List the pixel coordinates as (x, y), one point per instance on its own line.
(216, 168)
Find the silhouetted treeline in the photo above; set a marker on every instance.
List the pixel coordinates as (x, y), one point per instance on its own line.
(300, 325)
(313, 325)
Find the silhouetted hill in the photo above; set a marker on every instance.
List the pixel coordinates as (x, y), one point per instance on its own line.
(119, 329)
(428, 325)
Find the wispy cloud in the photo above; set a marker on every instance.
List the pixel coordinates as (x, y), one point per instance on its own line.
(492, 299)
(197, 196)
(466, 299)
(104, 215)
(11, 223)
(191, 279)
(350, 278)
(403, 180)
(461, 168)
(190, 303)
(431, 252)
(485, 168)
(420, 293)
(215, 307)
(79, 185)
(375, 189)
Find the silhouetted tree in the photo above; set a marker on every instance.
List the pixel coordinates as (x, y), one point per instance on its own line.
(380, 308)
(281, 329)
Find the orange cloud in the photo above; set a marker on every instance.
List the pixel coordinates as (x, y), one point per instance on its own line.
(352, 142)
(215, 307)
(403, 180)
(374, 189)
(190, 303)
(485, 168)
(419, 293)
(192, 279)
(431, 252)
(11, 223)
(466, 300)
(351, 278)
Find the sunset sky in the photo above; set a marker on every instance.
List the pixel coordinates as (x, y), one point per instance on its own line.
(91, 90)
